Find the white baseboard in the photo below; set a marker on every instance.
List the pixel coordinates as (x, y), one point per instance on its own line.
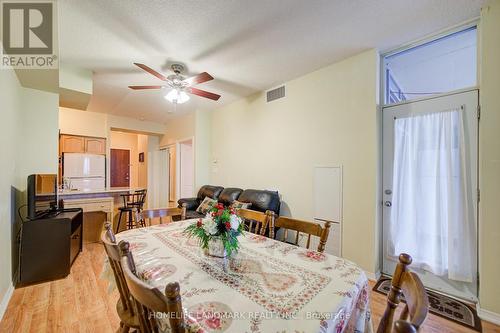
(372, 276)
(486, 315)
(5, 300)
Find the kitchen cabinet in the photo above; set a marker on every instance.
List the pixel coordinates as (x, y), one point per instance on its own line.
(95, 146)
(72, 144)
(82, 144)
(92, 230)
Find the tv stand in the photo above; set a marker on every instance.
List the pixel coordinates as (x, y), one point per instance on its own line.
(49, 246)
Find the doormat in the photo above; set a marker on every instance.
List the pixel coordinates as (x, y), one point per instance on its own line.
(441, 305)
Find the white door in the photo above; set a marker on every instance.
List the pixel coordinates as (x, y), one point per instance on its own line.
(430, 190)
(158, 179)
(186, 169)
(171, 176)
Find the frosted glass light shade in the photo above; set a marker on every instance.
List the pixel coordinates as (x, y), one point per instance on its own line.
(177, 97)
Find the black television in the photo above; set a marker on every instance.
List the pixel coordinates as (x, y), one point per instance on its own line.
(42, 195)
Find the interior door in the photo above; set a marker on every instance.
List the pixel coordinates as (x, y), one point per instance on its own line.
(186, 169)
(468, 103)
(171, 174)
(120, 168)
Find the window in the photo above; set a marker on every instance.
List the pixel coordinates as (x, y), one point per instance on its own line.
(440, 66)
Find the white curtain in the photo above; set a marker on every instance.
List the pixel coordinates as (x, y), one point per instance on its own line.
(158, 164)
(432, 217)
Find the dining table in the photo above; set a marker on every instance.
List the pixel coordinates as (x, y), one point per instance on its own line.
(266, 286)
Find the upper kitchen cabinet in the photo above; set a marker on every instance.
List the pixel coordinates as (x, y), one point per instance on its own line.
(82, 144)
(95, 146)
(72, 144)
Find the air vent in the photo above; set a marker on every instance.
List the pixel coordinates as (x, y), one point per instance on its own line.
(275, 94)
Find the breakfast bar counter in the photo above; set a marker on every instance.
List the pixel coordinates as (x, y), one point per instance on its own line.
(106, 200)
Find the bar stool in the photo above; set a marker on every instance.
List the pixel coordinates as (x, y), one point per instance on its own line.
(138, 203)
(133, 203)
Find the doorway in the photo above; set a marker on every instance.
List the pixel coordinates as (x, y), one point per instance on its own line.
(171, 174)
(186, 168)
(120, 168)
(430, 190)
(158, 171)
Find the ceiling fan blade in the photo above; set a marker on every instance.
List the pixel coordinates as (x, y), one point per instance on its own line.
(203, 93)
(200, 78)
(151, 71)
(145, 87)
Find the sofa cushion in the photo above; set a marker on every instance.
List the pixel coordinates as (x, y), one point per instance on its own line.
(261, 200)
(191, 203)
(206, 205)
(209, 191)
(228, 195)
(192, 214)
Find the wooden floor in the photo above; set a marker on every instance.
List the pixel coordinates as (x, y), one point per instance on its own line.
(81, 303)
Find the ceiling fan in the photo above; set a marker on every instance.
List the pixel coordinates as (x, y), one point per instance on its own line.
(180, 86)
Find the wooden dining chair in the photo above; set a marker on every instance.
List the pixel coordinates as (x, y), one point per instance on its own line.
(255, 222)
(150, 301)
(149, 214)
(125, 306)
(408, 284)
(299, 226)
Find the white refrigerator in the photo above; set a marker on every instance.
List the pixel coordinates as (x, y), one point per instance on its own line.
(84, 171)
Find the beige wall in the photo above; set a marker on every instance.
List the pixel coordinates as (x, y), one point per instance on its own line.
(10, 92)
(328, 117)
(142, 147)
(178, 128)
(489, 148)
(86, 123)
(29, 133)
(135, 125)
(202, 148)
(38, 133)
(129, 141)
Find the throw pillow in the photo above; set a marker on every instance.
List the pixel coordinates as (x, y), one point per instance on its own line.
(238, 204)
(206, 205)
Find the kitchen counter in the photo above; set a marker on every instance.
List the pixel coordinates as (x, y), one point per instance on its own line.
(106, 200)
(108, 190)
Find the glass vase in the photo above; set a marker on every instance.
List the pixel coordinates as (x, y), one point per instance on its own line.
(216, 248)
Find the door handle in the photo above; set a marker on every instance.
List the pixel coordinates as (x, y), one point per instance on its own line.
(387, 203)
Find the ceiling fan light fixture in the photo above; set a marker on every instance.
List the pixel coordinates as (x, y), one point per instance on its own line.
(177, 96)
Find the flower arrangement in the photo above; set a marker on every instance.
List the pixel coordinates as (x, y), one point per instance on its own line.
(219, 229)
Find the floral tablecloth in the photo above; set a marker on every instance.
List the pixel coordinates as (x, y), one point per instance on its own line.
(268, 286)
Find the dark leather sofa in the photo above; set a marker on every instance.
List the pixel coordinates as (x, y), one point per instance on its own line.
(261, 200)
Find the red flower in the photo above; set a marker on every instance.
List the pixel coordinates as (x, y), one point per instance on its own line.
(219, 206)
(199, 223)
(228, 225)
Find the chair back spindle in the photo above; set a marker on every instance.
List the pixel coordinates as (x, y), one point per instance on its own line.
(299, 226)
(149, 299)
(109, 241)
(404, 282)
(255, 222)
(161, 213)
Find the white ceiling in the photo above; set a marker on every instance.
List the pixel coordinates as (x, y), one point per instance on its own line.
(246, 45)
